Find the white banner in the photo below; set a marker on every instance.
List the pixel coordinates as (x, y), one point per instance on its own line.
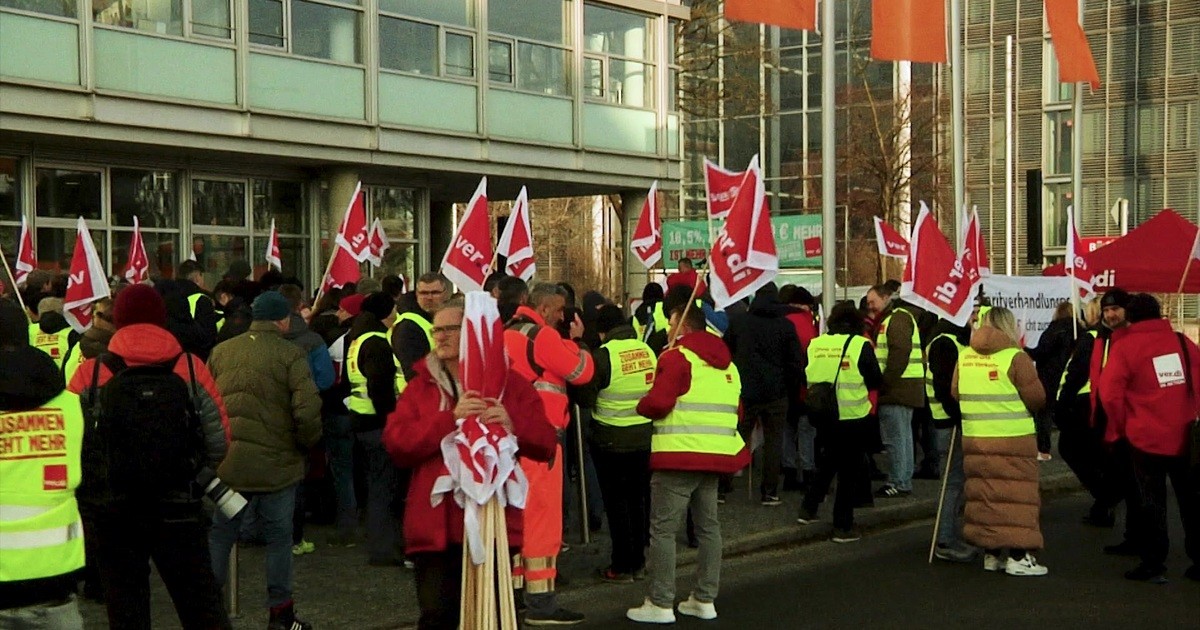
(1032, 299)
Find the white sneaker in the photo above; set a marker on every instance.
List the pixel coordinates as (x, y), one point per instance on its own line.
(649, 613)
(696, 608)
(1025, 566)
(990, 562)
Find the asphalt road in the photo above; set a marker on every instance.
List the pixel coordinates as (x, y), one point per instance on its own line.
(884, 582)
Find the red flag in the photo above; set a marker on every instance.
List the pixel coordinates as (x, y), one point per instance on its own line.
(934, 278)
(646, 242)
(137, 268)
(743, 256)
(272, 255)
(353, 234)
(1071, 48)
(972, 243)
(378, 243)
(26, 257)
(974, 238)
(469, 256)
(1076, 261)
(343, 270)
(516, 243)
(721, 188)
(890, 242)
(87, 281)
(812, 247)
(794, 14)
(909, 30)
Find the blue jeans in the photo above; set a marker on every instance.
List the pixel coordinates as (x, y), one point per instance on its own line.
(339, 444)
(60, 615)
(274, 513)
(949, 531)
(895, 425)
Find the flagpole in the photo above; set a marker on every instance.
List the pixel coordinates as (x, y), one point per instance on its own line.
(828, 158)
(957, 130)
(328, 266)
(13, 281)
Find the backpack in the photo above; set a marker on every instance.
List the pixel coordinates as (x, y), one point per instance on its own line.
(822, 400)
(149, 437)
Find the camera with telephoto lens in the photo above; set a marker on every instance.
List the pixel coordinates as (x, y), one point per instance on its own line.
(227, 500)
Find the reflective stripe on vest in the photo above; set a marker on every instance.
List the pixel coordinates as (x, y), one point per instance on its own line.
(704, 419)
(424, 324)
(991, 405)
(632, 373)
(853, 399)
(936, 409)
(53, 344)
(41, 534)
(360, 401)
(1087, 385)
(916, 365)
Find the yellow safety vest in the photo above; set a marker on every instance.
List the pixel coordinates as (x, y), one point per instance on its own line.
(936, 409)
(916, 365)
(41, 534)
(53, 344)
(704, 419)
(983, 310)
(824, 353)
(425, 325)
(991, 405)
(73, 360)
(633, 365)
(35, 329)
(194, 299)
(1087, 385)
(359, 401)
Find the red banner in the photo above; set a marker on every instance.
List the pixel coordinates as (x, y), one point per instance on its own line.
(721, 188)
(934, 278)
(87, 281)
(516, 243)
(646, 243)
(890, 242)
(469, 256)
(743, 256)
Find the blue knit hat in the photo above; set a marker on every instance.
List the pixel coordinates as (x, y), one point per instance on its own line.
(270, 306)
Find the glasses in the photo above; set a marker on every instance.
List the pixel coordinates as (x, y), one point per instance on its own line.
(443, 330)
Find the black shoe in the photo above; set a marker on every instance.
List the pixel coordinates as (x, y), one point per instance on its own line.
(1125, 548)
(807, 516)
(285, 618)
(846, 535)
(560, 617)
(771, 500)
(1147, 573)
(1193, 573)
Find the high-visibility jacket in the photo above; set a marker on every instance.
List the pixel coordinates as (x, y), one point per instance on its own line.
(916, 365)
(537, 352)
(991, 405)
(705, 419)
(41, 534)
(1087, 385)
(423, 323)
(194, 299)
(936, 409)
(633, 364)
(824, 352)
(73, 359)
(360, 401)
(53, 344)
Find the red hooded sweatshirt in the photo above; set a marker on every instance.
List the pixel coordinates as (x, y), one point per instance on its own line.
(1144, 388)
(672, 380)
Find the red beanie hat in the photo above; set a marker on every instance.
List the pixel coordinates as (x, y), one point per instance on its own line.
(139, 304)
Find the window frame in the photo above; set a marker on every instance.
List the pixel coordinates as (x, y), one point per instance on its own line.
(187, 28)
(649, 63)
(288, 46)
(444, 30)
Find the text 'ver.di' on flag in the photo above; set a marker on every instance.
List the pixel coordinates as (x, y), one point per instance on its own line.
(796, 14)
(908, 30)
(1075, 62)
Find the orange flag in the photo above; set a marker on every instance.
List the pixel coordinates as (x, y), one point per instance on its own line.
(909, 30)
(1075, 62)
(797, 14)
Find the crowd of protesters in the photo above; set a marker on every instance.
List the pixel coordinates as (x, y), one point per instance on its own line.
(336, 411)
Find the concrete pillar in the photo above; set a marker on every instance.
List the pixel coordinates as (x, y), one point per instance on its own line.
(441, 228)
(636, 276)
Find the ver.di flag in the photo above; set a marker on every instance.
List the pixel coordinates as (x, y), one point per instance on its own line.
(87, 281)
(646, 243)
(272, 254)
(353, 234)
(743, 256)
(469, 256)
(26, 256)
(975, 244)
(379, 243)
(890, 242)
(137, 267)
(516, 243)
(720, 189)
(934, 278)
(1076, 262)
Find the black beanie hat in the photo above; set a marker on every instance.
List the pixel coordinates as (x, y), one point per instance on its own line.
(14, 325)
(379, 305)
(608, 317)
(1115, 297)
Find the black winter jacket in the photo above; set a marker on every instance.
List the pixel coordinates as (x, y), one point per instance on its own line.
(766, 351)
(378, 364)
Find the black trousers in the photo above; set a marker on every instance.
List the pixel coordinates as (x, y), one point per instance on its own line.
(625, 486)
(1151, 472)
(1121, 484)
(175, 537)
(773, 416)
(1082, 448)
(925, 436)
(438, 576)
(841, 451)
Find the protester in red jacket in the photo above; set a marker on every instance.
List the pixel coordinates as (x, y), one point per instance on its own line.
(425, 414)
(1151, 392)
(687, 277)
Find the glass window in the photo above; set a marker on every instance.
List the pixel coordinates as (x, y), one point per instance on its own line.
(293, 256)
(460, 12)
(216, 252)
(618, 32)
(160, 249)
(593, 77)
(56, 246)
(282, 201)
(407, 46)
(1058, 197)
(325, 32)
(61, 8)
(1055, 92)
(218, 203)
(632, 83)
(164, 17)
(68, 193)
(151, 195)
(396, 209)
(266, 23)
(10, 190)
(400, 259)
(542, 69)
(500, 60)
(211, 18)
(1061, 126)
(460, 55)
(543, 20)
(978, 71)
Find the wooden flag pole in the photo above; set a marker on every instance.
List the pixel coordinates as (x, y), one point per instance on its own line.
(942, 496)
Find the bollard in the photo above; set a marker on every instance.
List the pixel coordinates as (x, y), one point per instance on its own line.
(231, 585)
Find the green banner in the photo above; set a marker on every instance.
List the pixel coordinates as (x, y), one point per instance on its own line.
(689, 239)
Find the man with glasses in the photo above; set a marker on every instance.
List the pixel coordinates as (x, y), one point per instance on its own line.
(410, 337)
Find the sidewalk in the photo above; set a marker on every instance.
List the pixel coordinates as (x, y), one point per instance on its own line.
(334, 587)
